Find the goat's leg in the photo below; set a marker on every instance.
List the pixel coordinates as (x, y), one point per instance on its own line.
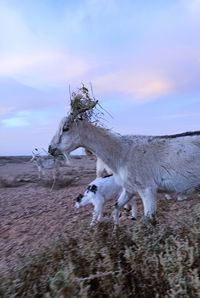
(54, 178)
(122, 200)
(56, 172)
(42, 172)
(39, 172)
(98, 210)
(99, 217)
(94, 218)
(148, 196)
(134, 209)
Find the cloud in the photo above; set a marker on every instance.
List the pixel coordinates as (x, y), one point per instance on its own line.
(192, 7)
(138, 51)
(142, 86)
(47, 68)
(16, 35)
(63, 51)
(4, 110)
(36, 56)
(181, 115)
(15, 122)
(19, 119)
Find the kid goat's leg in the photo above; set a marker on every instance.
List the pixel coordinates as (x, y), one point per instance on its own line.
(98, 209)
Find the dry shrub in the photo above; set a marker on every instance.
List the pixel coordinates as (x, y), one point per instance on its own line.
(7, 182)
(141, 260)
(14, 181)
(10, 181)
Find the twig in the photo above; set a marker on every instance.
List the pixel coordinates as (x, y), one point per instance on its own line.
(54, 180)
(70, 95)
(105, 110)
(97, 275)
(92, 90)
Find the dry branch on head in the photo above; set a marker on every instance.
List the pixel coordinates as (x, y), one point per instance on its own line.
(84, 106)
(82, 103)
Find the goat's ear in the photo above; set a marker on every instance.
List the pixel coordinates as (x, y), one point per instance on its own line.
(93, 188)
(80, 117)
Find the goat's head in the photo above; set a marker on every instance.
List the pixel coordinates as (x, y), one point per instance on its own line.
(78, 200)
(35, 155)
(85, 199)
(67, 137)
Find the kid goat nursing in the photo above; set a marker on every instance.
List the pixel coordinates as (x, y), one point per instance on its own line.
(140, 164)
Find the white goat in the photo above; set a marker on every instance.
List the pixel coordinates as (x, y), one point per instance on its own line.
(101, 168)
(47, 162)
(141, 164)
(98, 193)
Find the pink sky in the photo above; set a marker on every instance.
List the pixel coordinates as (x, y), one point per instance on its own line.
(142, 57)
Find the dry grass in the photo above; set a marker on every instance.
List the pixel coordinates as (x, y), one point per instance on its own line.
(140, 260)
(9, 181)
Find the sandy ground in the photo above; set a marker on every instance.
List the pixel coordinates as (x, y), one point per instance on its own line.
(32, 216)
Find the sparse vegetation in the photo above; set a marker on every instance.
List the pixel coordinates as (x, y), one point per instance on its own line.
(136, 260)
(13, 181)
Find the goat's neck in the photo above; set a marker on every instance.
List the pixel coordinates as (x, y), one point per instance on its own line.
(39, 161)
(107, 146)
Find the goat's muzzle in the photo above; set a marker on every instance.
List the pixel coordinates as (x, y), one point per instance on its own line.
(53, 151)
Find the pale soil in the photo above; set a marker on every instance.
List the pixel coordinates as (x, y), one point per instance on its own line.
(32, 216)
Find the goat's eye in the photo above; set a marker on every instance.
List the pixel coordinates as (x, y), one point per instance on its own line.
(65, 128)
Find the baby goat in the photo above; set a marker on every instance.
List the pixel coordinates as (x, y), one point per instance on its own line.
(98, 192)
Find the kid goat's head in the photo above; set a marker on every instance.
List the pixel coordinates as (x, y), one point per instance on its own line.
(78, 200)
(67, 136)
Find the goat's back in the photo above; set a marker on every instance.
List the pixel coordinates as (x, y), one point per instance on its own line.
(106, 187)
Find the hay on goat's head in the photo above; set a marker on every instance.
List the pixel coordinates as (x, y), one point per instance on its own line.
(82, 103)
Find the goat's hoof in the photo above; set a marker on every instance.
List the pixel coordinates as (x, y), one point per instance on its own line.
(92, 225)
(115, 229)
(149, 220)
(152, 220)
